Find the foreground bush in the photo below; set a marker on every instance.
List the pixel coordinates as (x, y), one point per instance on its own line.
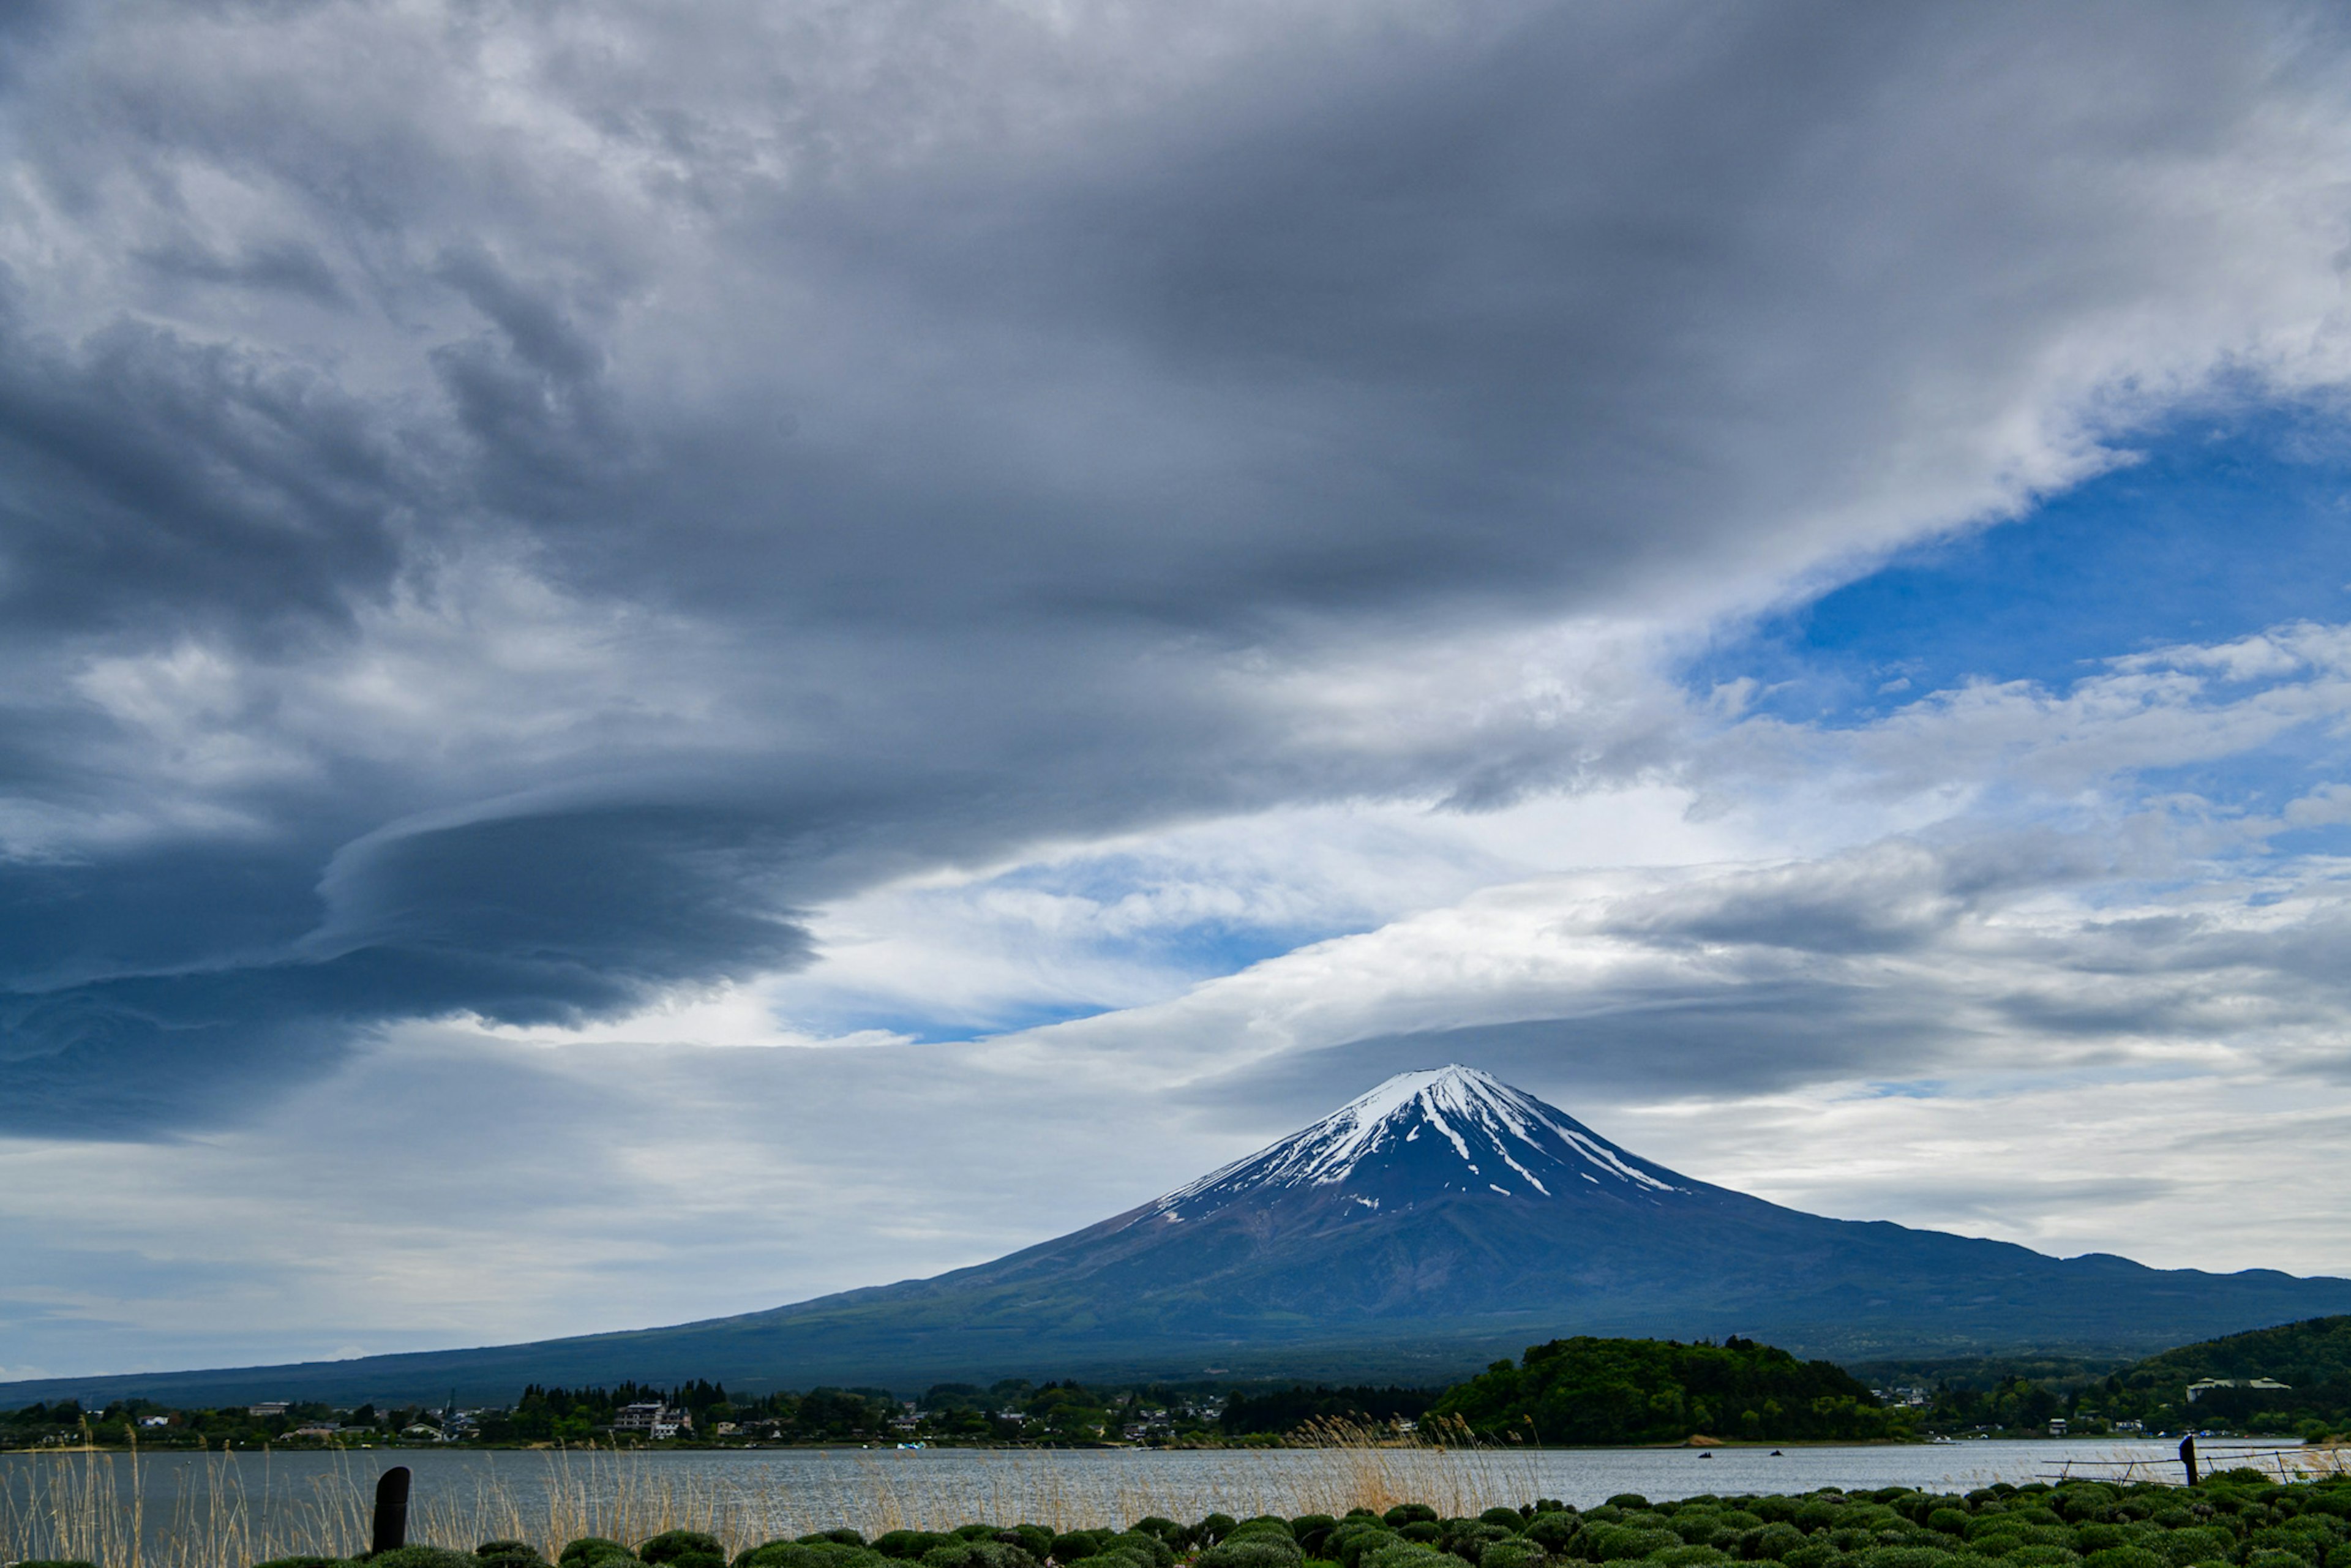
(2237, 1520)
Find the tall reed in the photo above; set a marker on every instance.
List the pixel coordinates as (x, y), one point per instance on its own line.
(231, 1510)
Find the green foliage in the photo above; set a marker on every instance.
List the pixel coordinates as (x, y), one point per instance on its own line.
(812, 1551)
(2239, 1520)
(424, 1557)
(1247, 1548)
(1589, 1390)
(1033, 1538)
(682, 1549)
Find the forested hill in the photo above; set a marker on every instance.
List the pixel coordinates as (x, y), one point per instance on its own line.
(2308, 1353)
(1587, 1390)
(2311, 1357)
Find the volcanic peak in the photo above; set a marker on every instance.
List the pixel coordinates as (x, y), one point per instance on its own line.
(1373, 1149)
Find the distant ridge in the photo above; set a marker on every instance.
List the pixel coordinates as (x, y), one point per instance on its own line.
(1413, 1234)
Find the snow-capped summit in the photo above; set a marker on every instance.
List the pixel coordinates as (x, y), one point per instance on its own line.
(1420, 1135)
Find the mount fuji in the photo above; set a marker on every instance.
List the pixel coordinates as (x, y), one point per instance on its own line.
(1414, 1233)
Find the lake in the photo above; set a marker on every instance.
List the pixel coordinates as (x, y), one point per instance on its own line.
(215, 1512)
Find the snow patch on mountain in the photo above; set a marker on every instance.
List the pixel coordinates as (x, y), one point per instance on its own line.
(1369, 1143)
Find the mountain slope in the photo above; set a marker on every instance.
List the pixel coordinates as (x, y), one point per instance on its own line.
(1414, 1233)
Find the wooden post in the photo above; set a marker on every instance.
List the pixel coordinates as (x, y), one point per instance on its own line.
(391, 1509)
(2187, 1456)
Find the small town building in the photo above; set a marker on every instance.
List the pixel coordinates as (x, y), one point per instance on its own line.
(659, 1422)
(2202, 1387)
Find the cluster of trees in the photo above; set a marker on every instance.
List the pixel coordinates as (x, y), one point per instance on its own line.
(1015, 1410)
(1600, 1391)
(235, 1426)
(1011, 1410)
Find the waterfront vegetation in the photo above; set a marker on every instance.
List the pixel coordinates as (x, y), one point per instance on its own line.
(2292, 1380)
(2296, 1513)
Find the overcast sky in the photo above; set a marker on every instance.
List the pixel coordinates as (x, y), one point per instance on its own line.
(659, 660)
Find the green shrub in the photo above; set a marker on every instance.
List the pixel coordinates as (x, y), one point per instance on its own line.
(1262, 1548)
(1773, 1541)
(907, 1545)
(1145, 1547)
(1699, 1526)
(1034, 1538)
(2192, 1544)
(1427, 1532)
(1167, 1530)
(424, 1557)
(1072, 1544)
(274, 1563)
(1622, 1543)
(1513, 1552)
(1213, 1529)
(843, 1537)
(2039, 1557)
(2310, 1549)
(955, 1552)
(77, 1563)
(1405, 1514)
(1906, 1557)
(1690, 1557)
(1355, 1537)
(587, 1548)
(682, 1549)
(1469, 1537)
(817, 1551)
(1553, 1529)
(2273, 1558)
(2126, 1557)
(1814, 1553)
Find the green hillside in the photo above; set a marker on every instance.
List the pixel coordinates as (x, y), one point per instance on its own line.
(2311, 1357)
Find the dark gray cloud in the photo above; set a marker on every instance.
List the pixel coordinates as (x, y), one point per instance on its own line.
(907, 439)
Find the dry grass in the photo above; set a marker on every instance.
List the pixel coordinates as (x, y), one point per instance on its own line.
(229, 1510)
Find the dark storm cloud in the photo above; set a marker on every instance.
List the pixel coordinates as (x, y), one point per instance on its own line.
(292, 266)
(150, 479)
(989, 415)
